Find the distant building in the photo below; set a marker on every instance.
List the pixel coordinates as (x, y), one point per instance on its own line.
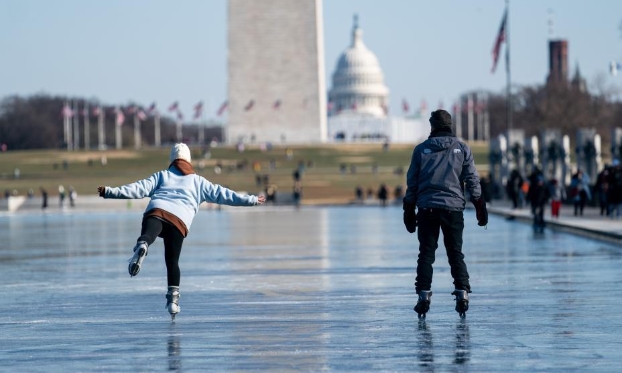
(558, 62)
(358, 81)
(276, 83)
(358, 101)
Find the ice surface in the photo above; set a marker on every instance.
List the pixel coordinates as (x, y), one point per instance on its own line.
(316, 289)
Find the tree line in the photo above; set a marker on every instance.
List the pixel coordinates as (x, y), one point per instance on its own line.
(36, 122)
(564, 106)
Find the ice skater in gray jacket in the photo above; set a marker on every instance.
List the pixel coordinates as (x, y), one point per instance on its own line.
(440, 170)
(176, 194)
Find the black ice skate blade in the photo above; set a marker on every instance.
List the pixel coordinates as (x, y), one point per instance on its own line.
(133, 269)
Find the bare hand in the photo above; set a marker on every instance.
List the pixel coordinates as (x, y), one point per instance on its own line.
(261, 200)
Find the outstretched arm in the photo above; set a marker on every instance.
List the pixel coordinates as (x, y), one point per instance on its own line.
(139, 189)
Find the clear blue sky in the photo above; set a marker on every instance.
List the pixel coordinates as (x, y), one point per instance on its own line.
(142, 51)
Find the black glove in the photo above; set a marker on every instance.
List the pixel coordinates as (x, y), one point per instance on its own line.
(481, 212)
(101, 191)
(410, 217)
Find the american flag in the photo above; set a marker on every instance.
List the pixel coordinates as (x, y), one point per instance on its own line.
(96, 111)
(222, 108)
(250, 105)
(353, 106)
(498, 41)
(151, 108)
(120, 117)
(405, 106)
(198, 110)
(67, 112)
(141, 115)
(173, 106)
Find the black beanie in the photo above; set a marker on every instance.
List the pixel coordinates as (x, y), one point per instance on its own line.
(440, 119)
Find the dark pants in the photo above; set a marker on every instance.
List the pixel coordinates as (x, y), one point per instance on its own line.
(430, 222)
(173, 240)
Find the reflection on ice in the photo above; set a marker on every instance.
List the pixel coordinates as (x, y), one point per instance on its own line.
(313, 289)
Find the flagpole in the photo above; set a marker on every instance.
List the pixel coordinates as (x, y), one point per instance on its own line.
(156, 123)
(87, 129)
(507, 68)
(117, 126)
(201, 129)
(76, 126)
(470, 130)
(66, 124)
(100, 128)
(136, 130)
(178, 133)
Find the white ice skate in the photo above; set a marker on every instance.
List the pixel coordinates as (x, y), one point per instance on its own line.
(140, 252)
(172, 301)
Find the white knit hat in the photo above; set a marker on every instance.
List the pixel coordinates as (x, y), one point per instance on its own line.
(180, 151)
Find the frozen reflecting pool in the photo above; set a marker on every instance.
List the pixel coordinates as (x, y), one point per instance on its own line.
(316, 289)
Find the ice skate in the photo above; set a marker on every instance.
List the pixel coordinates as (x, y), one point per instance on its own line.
(462, 302)
(423, 303)
(172, 301)
(140, 252)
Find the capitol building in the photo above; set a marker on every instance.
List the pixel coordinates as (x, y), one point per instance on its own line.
(358, 101)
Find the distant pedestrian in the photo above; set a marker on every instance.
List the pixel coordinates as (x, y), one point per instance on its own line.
(44, 198)
(72, 196)
(383, 195)
(440, 168)
(615, 190)
(602, 188)
(398, 193)
(558, 195)
(297, 193)
(513, 187)
(176, 194)
(358, 192)
(61, 196)
(580, 191)
(370, 193)
(538, 196)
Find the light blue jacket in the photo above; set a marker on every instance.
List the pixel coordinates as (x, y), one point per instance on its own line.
(179, 194)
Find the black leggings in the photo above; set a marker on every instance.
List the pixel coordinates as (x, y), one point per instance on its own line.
(173, 240)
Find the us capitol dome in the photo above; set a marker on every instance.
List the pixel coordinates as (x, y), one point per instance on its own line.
(358, 81)
(358, 102)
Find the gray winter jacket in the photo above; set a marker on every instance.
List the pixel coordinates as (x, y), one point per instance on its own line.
(438, 169)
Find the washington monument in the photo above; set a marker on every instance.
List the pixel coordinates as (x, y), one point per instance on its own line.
(276, 83)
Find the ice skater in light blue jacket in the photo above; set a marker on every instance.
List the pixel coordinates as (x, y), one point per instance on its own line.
(176, 194)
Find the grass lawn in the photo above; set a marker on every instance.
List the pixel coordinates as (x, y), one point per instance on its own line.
(331, 171)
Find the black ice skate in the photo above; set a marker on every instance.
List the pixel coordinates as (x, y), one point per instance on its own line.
(172, 301)
(462, 302)
(423, 303)
(140, 252)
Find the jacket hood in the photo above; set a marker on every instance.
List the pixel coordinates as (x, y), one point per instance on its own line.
(438, 143)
